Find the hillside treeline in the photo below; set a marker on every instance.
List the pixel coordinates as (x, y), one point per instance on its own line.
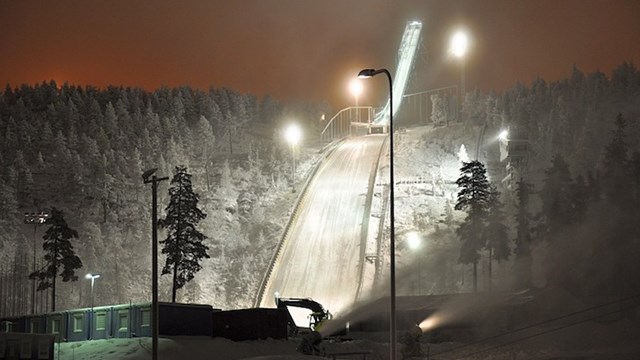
(83, 150)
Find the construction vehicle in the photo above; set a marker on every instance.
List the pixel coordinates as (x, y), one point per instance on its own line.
(316, 318)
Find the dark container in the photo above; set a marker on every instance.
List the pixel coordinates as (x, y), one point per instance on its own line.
(185, 319)
(250, 324)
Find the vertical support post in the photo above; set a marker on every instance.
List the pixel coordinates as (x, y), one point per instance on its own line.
(154, 258)
(154, 268)
(33, 281)
(392, 235)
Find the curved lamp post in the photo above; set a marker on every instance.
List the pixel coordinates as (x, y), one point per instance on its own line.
(367, 73)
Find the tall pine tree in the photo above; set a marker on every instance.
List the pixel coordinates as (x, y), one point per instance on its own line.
(473, 198)
(184, 245)
(59, 256)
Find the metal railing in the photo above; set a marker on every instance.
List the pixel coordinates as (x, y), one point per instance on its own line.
(341, 124)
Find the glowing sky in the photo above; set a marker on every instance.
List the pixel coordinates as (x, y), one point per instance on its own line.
(307, 49)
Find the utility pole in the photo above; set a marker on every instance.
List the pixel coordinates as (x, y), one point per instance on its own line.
(154, 180)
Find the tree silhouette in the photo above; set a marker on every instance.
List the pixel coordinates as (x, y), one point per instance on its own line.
(59, 256)
(184, 243)
(473, 198)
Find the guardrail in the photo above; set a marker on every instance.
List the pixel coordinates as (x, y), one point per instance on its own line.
(367, 214)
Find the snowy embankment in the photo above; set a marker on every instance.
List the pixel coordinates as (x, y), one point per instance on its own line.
(180, 348)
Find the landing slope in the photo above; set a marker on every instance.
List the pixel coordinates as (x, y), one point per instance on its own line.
(323, 252)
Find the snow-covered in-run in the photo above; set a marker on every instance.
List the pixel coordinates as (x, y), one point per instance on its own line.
(323, 251)
(406, 55)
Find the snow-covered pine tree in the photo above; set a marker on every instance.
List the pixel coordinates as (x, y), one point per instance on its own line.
(184, 245)
(473, 198)
(59, 256)
(439, 110)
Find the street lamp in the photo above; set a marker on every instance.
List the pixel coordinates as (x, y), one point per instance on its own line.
(459, 46)
(93, 278)
(367, 73)
(356, 89)
(35, 219)
(293, 134)
(149, 178)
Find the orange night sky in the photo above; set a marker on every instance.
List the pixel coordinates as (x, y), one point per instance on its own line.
(307, 49)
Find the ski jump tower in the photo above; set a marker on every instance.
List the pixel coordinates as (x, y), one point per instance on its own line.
(406, 55)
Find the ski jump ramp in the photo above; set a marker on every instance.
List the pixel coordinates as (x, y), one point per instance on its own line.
(321, 253)
(407, 53)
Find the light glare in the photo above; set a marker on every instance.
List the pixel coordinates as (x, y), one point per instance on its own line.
(355, 87)
(413, 240)
(293, 134)
(428, 323)
(504, 134)
(459, 44)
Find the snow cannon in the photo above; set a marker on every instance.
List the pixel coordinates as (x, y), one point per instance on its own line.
(310, 344)
(411, 343)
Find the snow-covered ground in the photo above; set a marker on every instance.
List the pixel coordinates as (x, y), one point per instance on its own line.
(593, 341)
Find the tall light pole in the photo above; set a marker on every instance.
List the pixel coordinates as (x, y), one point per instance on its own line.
(35, 219)
(459, 46)
(367, 73)
(356, 89)
(154, 180)
(93, 278)
(293, 134)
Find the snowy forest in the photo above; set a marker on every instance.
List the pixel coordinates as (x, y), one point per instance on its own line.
(83, 150)
(572, 214)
